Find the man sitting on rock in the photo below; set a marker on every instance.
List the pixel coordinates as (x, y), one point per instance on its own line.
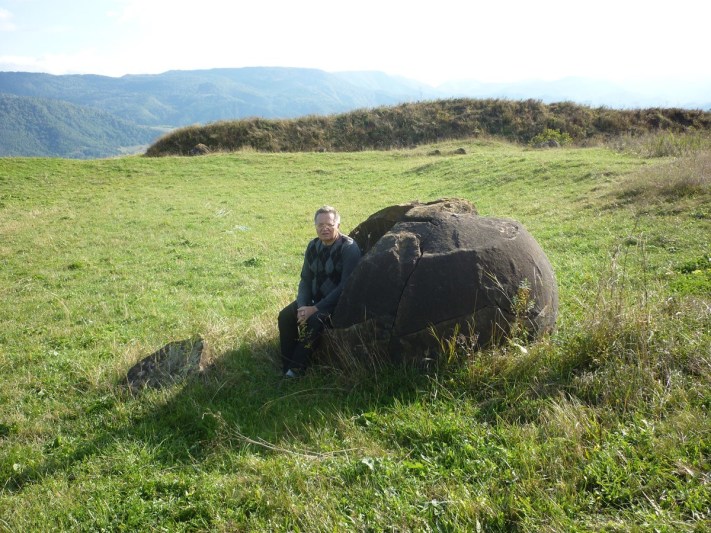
(328, 261)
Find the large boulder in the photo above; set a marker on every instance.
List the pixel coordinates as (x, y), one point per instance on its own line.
(433, 270)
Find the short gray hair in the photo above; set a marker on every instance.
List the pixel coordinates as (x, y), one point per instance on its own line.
(325, 210)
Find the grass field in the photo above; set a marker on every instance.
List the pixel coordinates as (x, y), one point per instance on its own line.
(602, 427)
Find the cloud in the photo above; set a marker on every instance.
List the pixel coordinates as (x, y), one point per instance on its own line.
(6, 20)
(83, 61)
(20, 63)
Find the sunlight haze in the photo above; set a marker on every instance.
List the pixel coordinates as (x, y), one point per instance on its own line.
(433, 43)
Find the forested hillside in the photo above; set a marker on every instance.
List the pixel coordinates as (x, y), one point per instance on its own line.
(51, 122)
(179, 98)
(52, 128)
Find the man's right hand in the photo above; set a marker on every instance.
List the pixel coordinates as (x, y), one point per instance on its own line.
(303, 313)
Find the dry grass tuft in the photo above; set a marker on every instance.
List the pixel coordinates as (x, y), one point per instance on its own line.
(685, 179)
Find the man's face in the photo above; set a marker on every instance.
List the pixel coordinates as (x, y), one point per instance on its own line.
(326, 228)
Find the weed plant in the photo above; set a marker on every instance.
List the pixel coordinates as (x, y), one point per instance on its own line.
(602, 426)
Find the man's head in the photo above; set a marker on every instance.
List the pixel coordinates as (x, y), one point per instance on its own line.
(328, 222)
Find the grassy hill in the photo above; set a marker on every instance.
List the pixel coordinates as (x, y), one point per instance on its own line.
(53, 128)
(602, 427)
(411, 124)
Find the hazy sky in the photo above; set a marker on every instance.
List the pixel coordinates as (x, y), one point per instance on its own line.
(433, 41)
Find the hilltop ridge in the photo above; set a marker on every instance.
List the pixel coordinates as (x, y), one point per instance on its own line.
(412, 124)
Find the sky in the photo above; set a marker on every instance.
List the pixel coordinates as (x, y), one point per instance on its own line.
(431, 41)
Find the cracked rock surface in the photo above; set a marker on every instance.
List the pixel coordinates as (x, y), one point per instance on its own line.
(438, 268)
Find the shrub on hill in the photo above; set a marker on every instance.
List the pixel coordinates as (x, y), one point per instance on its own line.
(405, 125)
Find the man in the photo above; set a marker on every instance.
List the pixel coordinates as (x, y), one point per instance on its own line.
(328, 261)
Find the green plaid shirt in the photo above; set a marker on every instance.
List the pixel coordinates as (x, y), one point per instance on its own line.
(325, 271)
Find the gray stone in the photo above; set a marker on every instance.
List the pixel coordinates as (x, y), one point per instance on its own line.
(550, 143)
(432, 270)
(172, 363)
(199, 149)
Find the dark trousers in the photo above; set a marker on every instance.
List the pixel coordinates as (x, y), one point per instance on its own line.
(296, 346)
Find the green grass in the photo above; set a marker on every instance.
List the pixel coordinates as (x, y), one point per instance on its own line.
(602, 427)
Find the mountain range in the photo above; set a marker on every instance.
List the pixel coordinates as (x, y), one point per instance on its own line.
(88, 116)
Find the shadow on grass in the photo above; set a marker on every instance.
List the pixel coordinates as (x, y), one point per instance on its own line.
(242, 400)
(240, 403)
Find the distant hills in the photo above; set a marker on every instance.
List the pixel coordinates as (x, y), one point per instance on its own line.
(43, 127)
(89, 116)
(179, 98)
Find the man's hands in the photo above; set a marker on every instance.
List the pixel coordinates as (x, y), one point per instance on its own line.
(303, 313)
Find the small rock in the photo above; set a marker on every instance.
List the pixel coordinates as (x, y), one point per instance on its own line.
(172, 363)
(199, 149)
